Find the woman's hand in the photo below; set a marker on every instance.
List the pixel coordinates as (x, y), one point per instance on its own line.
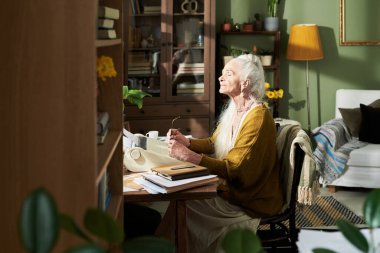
(179, 151)
(175, 134)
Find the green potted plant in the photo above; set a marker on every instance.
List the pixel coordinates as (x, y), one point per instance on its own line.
(271, 21)
(258, 23)
(227, 25)
(41, 222)
(266, 56)
(248, 26)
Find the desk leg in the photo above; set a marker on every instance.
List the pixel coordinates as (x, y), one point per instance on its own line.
(181, 227)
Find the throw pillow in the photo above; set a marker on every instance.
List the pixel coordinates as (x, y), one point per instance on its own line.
(352, 117)
(370, 124)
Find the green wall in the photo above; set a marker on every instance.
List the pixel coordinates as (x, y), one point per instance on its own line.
(343, 67)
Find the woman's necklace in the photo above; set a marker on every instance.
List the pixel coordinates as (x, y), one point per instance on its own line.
(245, 108)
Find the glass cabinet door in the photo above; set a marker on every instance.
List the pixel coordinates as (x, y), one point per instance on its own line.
(186, 49)
(144, 46)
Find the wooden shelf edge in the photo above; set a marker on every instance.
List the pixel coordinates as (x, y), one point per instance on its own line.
(115, 205)
(106, 151)
(107, 43)
(250, 33)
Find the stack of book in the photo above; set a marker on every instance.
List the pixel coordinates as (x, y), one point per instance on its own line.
(191, 68)
(176, 177)
(190, 88)
(139, 63)
(102, 126)
(152, 9)
(106, 22)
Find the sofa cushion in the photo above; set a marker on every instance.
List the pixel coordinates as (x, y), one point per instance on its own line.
(367, 156)
(370, 124)
(352, 117)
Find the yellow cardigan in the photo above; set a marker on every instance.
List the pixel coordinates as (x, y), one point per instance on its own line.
(250, 168)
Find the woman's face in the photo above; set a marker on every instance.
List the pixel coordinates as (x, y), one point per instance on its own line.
(230, 79)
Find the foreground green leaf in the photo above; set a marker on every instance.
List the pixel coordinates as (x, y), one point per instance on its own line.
(323, 250)
(68, 224)
(88, 248)
(371, 209)
(241, 241)
(148, 244)
(39, 226)
(353, 235)
(103, 225)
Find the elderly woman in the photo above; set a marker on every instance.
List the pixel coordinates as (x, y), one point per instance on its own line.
(242, 152)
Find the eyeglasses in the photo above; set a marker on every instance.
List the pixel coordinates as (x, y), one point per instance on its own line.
(175, 120)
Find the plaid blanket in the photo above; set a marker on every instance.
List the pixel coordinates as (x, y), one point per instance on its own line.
(334, 144)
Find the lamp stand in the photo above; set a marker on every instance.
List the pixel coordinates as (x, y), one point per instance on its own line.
(308, 97)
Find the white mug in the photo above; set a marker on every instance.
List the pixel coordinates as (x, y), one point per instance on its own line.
(152, 134)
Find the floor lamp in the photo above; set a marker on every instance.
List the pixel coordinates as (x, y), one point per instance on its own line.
(305, 45)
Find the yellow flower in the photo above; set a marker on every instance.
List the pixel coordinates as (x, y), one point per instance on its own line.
(105, 67)
(270, 94)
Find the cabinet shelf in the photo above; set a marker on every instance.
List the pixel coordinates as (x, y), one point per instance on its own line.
(265, 33)
(106, 151)
(107, 43)
(180, 38)
(188, 14)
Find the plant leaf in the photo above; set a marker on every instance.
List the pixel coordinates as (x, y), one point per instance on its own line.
(353, 235)
(323, 250)
(148, 244)
(103, 225)
(371, 209)
(39, 226)
(241, 240)
(68, 224)
(88, 248)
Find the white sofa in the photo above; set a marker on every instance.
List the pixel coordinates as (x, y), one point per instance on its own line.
(363, 165)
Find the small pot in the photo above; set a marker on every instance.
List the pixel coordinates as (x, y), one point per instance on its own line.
(247, 27)
(226, 27)
(266, 60)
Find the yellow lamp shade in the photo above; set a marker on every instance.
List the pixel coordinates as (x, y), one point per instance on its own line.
(304, 43)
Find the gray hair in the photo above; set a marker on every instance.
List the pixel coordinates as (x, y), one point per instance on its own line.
(252, 70)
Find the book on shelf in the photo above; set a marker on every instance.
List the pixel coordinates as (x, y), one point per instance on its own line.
(192, 65)
(105, 23)
(190, 86)
(106, 34)
(181, 171)
(163, 185)
(102, 121)
(191, 91)
(152, 9)
(108, 12)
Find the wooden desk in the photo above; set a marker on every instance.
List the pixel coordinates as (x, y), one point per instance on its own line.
(179, 200)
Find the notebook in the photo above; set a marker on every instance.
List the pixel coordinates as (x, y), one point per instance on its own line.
(181, 171)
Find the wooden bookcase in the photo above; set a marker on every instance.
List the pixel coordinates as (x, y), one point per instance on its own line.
(49, 102)
(178, 37)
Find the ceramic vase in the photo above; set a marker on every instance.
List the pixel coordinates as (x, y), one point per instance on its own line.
(271, 24)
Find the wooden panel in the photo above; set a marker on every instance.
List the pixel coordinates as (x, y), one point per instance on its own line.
(197, 127)
(47, 98)
(169, 110)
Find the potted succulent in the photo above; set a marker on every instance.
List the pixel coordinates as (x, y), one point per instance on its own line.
(258, 23)
(266, 56)
(248, 26)
(271, 21)
(227, 25)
